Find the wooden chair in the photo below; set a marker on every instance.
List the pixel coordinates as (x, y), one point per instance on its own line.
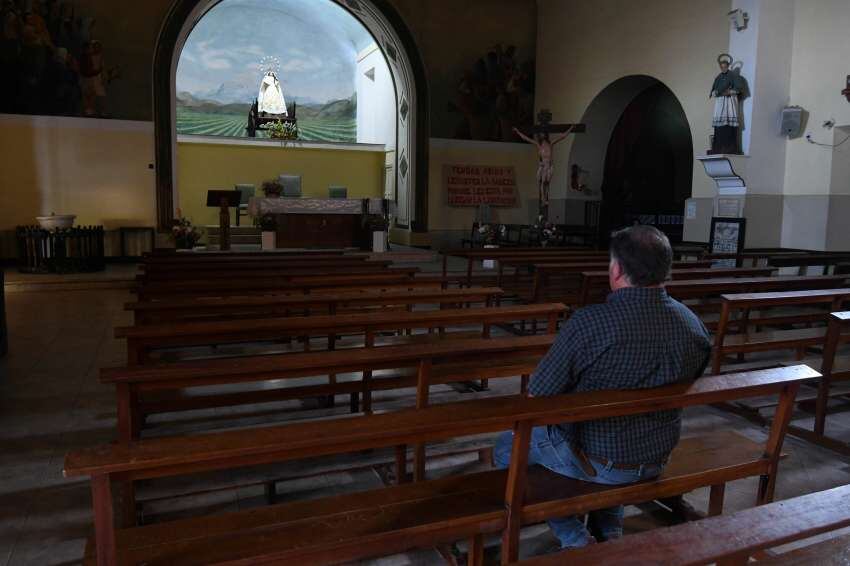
(247, 192)
(384, 521)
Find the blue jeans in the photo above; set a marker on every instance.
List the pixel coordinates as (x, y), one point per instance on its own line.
(549, 449)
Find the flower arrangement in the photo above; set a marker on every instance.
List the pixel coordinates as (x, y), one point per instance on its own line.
(272, 188)
(268, 222)
(546, 231)
(280, 130)
(376, 223)
(491, 233)
(184, 234)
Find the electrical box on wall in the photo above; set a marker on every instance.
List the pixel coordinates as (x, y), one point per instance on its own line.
(792, 121)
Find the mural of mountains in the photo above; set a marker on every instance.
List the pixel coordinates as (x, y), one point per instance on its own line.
(331, 121)
(335, 109)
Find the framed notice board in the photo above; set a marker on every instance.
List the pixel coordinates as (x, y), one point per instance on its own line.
(727, 237)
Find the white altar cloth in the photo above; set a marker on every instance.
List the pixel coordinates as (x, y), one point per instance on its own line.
(260, 206)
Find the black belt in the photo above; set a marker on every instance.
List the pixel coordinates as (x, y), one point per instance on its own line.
(616, 466)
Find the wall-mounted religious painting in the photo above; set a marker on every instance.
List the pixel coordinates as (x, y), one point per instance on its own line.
(273, 68)
(494, 96)
(52, 60)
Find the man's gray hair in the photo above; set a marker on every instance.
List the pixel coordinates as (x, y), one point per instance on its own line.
(644, 253)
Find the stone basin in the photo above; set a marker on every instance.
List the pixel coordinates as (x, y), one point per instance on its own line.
(56, 221)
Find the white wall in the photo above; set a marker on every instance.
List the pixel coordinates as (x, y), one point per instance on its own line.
(583, 46)
(376, 103)
(819, 69)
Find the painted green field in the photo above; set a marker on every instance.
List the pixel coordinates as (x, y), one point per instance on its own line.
(230, 125)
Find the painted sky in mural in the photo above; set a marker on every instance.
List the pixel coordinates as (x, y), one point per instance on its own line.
(316, 42)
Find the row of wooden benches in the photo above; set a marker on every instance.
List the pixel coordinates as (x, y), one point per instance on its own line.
(388, 520)
(409, 515)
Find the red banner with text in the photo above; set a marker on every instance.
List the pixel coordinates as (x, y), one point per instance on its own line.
(473, 185)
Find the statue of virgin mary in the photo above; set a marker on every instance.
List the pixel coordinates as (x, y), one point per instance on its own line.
(270, 100)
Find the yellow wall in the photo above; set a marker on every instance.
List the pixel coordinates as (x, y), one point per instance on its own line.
(459, 152)
(96, 169)
(204, 166)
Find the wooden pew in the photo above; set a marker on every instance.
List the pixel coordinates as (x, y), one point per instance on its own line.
(730, 539)
(595, 283)
(157, 388)
(268, 306)
(283, 274)
(173, 255)
(569, 277)
(804, 262)
(275, 286)
(143, 340)
(479, 254)
(213, 271)
(796, 339)
(398, 518)
(837, 333)
(702, 288)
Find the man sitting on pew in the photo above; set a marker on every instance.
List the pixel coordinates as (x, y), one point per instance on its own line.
(639, 338)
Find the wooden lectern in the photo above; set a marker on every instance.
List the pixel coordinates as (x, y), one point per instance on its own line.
(223, 200)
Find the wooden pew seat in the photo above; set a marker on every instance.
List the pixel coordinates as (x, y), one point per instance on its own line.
(731, 539)
(351, 526)
(797, 339)
(381, 522)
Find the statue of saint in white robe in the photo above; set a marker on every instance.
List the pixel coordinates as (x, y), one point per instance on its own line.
(270, 100)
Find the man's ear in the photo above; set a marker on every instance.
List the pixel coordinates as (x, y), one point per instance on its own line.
(615, 270)
(616, 273)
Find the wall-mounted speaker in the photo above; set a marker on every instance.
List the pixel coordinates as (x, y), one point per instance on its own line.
(792, 121)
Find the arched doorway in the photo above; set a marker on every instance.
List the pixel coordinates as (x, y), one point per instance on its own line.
(395, 41)
(639, 152)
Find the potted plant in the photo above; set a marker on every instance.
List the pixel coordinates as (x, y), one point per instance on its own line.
(377, 225)
(546, 231)
(185, 235)
(268, 228)
(490, 234)
(272, 188)
(280, 130)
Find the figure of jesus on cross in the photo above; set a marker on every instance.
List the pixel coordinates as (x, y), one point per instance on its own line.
(544, 145)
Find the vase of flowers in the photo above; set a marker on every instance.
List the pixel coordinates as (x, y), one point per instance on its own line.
(377, 225)
(280, 130)
(272, 188)
(268, 231)
(185, 235)
(491, 234)
(547, 232)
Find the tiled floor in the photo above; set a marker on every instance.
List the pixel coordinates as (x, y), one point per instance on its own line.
(51, 402)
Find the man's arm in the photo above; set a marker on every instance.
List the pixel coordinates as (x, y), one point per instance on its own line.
(525, 137)
(557, 371)
(563, 136)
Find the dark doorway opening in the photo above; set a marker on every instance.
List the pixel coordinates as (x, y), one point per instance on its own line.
(648, 165)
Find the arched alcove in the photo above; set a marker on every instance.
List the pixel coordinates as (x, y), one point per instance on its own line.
(410, 166)
(638, 151)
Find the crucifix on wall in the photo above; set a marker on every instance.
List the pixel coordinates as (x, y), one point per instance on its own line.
(544, 145)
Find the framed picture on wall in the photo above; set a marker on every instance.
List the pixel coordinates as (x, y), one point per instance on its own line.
(727, 236)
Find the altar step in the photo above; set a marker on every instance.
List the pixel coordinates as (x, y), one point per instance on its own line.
(246, 237)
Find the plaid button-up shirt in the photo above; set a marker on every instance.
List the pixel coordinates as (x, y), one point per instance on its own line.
(639, 338)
